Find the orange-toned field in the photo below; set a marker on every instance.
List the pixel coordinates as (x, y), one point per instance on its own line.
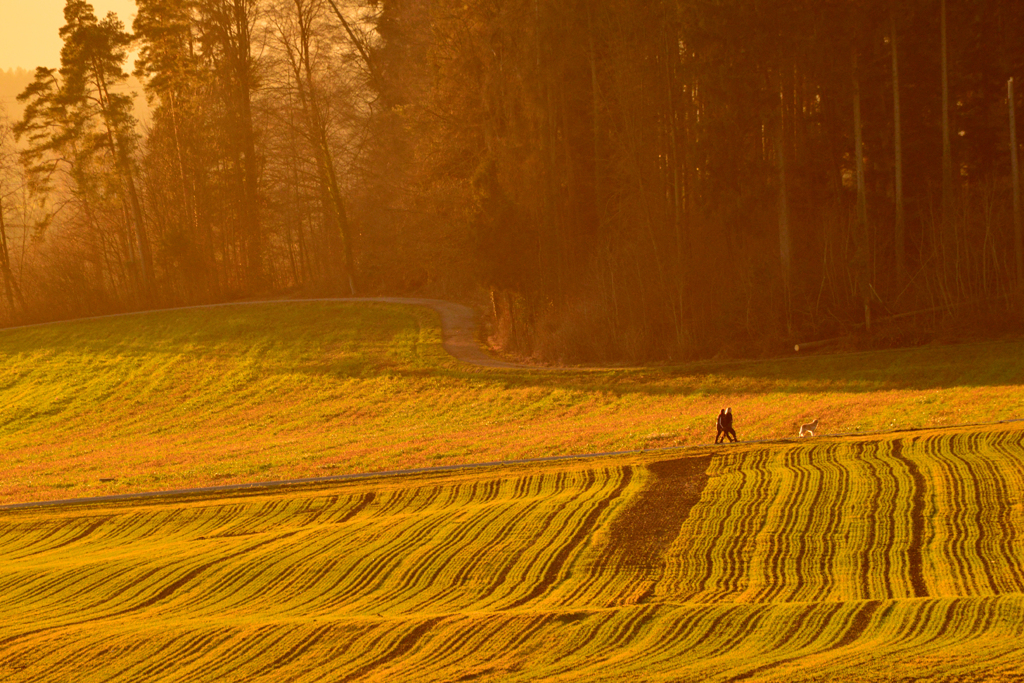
(237, 394)
(854, 559)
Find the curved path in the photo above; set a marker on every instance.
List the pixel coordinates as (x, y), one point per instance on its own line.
(458, 329)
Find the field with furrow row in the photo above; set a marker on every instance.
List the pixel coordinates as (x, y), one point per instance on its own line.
(858, 559)
(170, 400)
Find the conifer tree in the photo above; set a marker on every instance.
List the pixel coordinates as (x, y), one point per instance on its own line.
(77, 120)
(92, 69)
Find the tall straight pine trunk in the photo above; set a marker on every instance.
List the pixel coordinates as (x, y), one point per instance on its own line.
(898, 237)
(10, 286)
(1015, 179)
(947, 155)
(785, 251)
(862, 257)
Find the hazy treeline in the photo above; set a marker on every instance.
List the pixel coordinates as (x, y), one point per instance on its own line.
(223, 193)
(621, 179)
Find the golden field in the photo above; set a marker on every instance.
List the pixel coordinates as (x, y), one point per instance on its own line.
(856, 559)
(850, 556)
(236, 394)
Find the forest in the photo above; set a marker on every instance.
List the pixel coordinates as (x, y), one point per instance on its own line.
(614, 181)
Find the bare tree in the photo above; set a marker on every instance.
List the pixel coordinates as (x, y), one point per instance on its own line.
(299, 29)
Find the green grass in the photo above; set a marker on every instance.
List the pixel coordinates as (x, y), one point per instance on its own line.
(853, 560)
(276, 391)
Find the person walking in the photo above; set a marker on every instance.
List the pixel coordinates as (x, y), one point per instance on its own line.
(727, 425)
(720, 426)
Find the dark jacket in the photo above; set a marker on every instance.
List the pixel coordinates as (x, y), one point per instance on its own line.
(725, 420)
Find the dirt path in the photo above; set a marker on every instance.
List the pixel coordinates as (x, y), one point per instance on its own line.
(458, 329)
(686, 456)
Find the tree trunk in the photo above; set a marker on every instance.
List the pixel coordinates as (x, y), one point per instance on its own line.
(947, 152)
(785, 249)
(319, 131)
(1015, 179)
(117, 147)
(236, 41)
(861, 258)
(10, 286)
(900, 241)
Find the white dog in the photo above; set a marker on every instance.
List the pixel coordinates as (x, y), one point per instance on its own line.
(808, 428)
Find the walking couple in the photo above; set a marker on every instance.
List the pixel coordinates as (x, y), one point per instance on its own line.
(725, 426)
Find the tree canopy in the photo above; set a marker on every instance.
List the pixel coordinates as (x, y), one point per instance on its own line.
(623, 180)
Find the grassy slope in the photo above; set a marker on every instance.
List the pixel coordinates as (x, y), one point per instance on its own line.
(857, 559)
(276, 391)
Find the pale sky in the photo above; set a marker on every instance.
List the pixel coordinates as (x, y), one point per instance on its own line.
(28, 29)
